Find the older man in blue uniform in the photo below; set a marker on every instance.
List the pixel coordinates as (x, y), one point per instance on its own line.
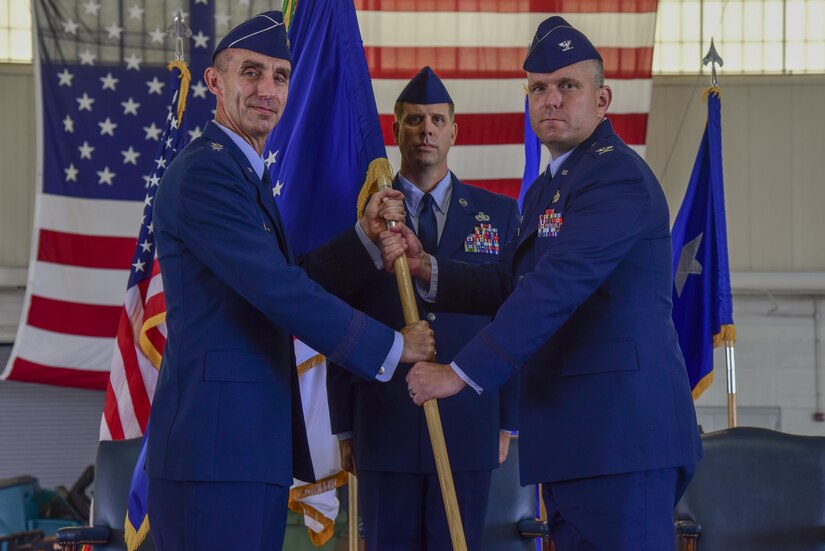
(227, 432)
(607, 421)
(402, 506)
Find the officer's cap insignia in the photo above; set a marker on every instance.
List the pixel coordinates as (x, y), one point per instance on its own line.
(566, 45)
(216, 146)
(462, 202)
(481, 217)
(605, 149)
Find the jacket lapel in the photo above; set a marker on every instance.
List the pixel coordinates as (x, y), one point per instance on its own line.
(263, 191)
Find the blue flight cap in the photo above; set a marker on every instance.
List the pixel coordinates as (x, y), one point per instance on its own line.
(425, 88)
(557, 45)
(264, 33)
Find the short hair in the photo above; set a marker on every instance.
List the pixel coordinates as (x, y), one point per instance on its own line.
(398, 110)
(598, 72)
(221, 60)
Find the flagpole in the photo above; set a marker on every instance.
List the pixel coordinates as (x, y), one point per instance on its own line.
(352, 520)
(442, 460)
(713, 58)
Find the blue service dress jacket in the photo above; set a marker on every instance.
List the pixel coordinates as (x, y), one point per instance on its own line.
(227, 405)
(390, 431)
(587, 322)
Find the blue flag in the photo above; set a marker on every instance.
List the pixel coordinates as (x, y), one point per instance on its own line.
(319, 153)
(532, 154)
(702, 301)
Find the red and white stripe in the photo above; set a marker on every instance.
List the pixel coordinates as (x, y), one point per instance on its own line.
(477, 48)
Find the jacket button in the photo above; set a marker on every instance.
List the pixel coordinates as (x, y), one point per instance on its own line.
(521, 277)
(430, 317)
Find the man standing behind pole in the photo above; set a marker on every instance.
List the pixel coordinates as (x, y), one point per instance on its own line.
(226, 431)
(382, 434)
(607, 420)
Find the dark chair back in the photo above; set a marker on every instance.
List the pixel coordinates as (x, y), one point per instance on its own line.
(758, 490)
(508, 504)
(113, 475)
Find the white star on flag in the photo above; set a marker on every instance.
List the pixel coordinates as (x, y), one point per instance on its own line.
(87, 57)
(157, 36)
(106, 176)
(65, 78)
(109, 82)
(68, 124)
(687, 263)
(194, 133)
(276, 191)
(130, 107)
(114, 31)
(222, 19)
(71, 173)
(107, 127)
(152, 132)
(155, 86)
(201, 40)
(130, 156)
(146, 246)
(91, 7)
(271, 157)
(199, 90)
(139, 265)
(85, 102)
(136, 12)
(70, 27)
(132, 62)
(86, 150)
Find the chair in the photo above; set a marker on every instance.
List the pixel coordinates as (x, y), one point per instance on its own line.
(113, 474)
(755, 490)
(511, 523)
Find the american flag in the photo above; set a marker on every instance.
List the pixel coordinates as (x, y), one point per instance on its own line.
(105, 90)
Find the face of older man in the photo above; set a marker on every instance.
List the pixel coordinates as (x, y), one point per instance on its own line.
(251, 89)
(566, 105)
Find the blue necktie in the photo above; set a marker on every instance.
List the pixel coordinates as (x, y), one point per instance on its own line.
(427, 225)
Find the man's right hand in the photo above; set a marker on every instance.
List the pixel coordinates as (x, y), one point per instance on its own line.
(419, 343)
(347, 459)
(401, 240)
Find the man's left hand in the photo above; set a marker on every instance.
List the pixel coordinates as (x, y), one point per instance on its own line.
(384, 206)
(427, 380)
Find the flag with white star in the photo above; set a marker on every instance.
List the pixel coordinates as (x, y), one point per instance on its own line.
(104, 95)
(702, 298)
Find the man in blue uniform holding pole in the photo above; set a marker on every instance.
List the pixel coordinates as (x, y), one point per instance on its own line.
(582, 308)
(227, 432)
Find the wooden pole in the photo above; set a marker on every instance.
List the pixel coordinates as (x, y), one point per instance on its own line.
(442, 461)
(352, 502)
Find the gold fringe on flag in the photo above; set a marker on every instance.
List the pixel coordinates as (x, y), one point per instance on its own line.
(726, 334)
(711, 90)
(379, 168)
(185, 79)
(134, 538)
(146, 346)
(324, 485)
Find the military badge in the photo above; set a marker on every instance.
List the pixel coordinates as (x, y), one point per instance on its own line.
(462, 202)
(216, 146)
(557, 196)
(484, 239)
(550, 223)
(605, 149)
(481, 217)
